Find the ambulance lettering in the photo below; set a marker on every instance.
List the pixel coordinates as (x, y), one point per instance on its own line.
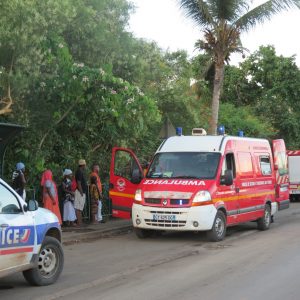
(175, 182)
(256, 183)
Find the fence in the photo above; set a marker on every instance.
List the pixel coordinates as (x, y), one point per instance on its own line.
(106, 205)
(86, 214)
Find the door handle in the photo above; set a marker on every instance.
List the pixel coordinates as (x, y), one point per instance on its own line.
(237, 189)
(4, 225)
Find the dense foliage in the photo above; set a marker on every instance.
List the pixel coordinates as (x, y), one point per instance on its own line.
(80, 83)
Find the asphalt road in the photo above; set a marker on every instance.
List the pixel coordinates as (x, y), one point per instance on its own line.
(248, 264)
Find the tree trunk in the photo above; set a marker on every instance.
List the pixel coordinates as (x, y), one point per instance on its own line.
(218, 85)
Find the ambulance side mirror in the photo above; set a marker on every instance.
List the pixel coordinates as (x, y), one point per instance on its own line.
(32, 205)
(136, 176)
(227, 179)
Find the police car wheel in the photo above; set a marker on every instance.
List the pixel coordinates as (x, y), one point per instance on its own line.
(50, 263)
(264, 222)
(218, 231)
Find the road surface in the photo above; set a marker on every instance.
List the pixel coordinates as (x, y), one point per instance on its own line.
(248, 264)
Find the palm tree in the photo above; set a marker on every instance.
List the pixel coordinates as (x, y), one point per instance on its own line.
(222, 22)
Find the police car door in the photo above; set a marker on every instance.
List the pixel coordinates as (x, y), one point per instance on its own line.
(16, 231)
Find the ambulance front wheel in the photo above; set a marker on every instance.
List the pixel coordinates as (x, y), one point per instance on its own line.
(50, 263)
(218, 231)
(264, 222)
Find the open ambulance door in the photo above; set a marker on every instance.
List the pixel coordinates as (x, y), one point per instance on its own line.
(125, 175)
(281, 171)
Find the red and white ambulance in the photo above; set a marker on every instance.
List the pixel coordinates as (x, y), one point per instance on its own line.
(294, 173)
(200, 183)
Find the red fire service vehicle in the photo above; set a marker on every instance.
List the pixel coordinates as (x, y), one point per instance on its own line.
(200, 183)
(294, 173)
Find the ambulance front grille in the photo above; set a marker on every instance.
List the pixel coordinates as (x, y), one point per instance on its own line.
(165, 223)
(179, 201)
(152, 201)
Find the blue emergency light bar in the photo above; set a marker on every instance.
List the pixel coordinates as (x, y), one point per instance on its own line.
(179, 131)
(241, 133)
(221, 130)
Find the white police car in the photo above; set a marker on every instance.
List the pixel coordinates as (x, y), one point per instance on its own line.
(30, 239)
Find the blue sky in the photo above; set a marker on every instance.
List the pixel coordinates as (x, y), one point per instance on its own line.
(163, 22)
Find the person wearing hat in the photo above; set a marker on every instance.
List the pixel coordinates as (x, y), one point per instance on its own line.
(18, 180)
(81, 190)
(69, 215)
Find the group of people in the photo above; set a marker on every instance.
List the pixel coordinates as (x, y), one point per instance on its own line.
(74, 190)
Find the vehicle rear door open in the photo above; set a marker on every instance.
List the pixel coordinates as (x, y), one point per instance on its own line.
(281, 173)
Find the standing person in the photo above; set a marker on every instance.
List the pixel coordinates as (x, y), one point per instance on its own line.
(95, 199)
(69, 214)
(18, 180)
(95, 173)
(81, 190)
(50, 196)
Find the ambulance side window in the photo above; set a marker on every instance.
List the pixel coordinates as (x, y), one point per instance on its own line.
(9, 203)
(228, 164)
(265, 165)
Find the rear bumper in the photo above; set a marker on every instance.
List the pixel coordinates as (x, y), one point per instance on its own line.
(295, 192)
(175, 219)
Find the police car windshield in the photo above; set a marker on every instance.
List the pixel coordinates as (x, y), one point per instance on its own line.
(186, 165)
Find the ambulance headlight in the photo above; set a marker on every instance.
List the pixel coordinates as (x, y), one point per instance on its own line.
(138, 195)
(202, 196)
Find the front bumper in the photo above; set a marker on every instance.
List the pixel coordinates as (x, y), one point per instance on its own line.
(196, 218)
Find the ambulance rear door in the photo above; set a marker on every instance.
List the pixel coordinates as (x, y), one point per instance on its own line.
(17, 232)
(281, 173)
(125, 175)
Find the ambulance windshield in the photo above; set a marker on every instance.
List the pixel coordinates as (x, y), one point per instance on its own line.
(193, 165)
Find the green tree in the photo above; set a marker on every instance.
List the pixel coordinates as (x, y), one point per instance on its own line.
(24, 25)
(271, 85)
(222, 23)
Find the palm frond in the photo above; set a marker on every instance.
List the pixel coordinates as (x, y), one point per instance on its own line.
(264, 12)
(228, 10)
(198, 10)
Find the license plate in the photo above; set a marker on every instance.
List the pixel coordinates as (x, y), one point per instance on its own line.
(164, 217)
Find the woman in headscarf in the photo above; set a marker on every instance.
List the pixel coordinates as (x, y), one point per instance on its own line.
(50, 196)
(69, 215)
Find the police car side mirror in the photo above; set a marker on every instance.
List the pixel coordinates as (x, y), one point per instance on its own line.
(32, 205)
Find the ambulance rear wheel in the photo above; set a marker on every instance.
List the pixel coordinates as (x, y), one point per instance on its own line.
(218, 231)
(264, 222)
(143, 233)
(50, 263)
